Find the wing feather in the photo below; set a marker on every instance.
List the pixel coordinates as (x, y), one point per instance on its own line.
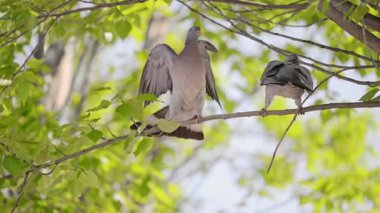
(156, 77)
(297, 75)
(305, 77)
(270, 72)
(203, 47)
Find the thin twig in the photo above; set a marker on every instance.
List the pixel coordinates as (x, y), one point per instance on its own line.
(350, 26)
(11, 151)
(21, 190)
(294, 119)
(83, 151)
(263, 6)
(5, 177)
(43, 19)
(239, 31)
(98, 6)
(335, 49)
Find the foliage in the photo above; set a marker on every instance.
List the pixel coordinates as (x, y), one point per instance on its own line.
(134, 173)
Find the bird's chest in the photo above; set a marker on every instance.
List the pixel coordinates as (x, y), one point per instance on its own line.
(189, 74)
(189, 85)
(288, 90)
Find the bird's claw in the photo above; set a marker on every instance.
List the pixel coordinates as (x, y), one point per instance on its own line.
(199, 119)
(264, 112)
(300, 111)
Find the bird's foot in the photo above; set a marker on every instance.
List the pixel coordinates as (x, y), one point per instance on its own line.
(264, 112)
(199, 119)
(300, 111)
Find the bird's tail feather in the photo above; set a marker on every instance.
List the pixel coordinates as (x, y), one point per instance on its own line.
(193, 131)
(187, 132)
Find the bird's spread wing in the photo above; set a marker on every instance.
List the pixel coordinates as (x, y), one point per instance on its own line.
(156, 78)
(270, 72)
(203, 47)
(305, 78)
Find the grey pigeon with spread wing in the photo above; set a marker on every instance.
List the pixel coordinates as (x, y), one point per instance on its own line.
(288, 79)
(188, 76)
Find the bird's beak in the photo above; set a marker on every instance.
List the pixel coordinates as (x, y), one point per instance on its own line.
(198, 33)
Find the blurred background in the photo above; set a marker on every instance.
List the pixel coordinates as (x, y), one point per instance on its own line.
(75, 68)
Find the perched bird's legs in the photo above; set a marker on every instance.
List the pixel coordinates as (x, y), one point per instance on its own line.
(300, 110)
(199, 118)
(268, 100)
(264, 112)
(299, 106)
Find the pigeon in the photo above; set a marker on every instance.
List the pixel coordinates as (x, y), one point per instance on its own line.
(188, 76)
(288, 79)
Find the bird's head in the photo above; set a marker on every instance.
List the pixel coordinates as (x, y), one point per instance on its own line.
(292, 59)
(193, 34)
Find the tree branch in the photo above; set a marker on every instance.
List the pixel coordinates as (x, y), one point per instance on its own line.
(373, 3)
(264, 6)
(350, 105)
(321, 107)
(25, 31)
(352, 28)
(345, 7)
(98, 6)
(222, 117)
(82, 152)
(334, 49)
(21, 190)
(241, 32)
(336, 74)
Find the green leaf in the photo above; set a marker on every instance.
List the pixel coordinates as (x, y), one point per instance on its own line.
(2, 182)
(7, 69)
(123, 28)
(22, 91)
(147, 97)
(14, 165)
(359, 12)
(326, 115)
(324, 6)
(127, 142)
(160, 194)
(102, 89)
(38, 65)
(90, 163)
(369, 95)
(103, 105)
(7, 103)
(143, 189)
(376, 98)
(88, 180)
(82, 117)
(143, 146)
(132, 108)
(95, 135)
(168, 126)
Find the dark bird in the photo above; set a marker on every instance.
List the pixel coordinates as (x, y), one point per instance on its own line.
(288, 79)
(188, 76)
